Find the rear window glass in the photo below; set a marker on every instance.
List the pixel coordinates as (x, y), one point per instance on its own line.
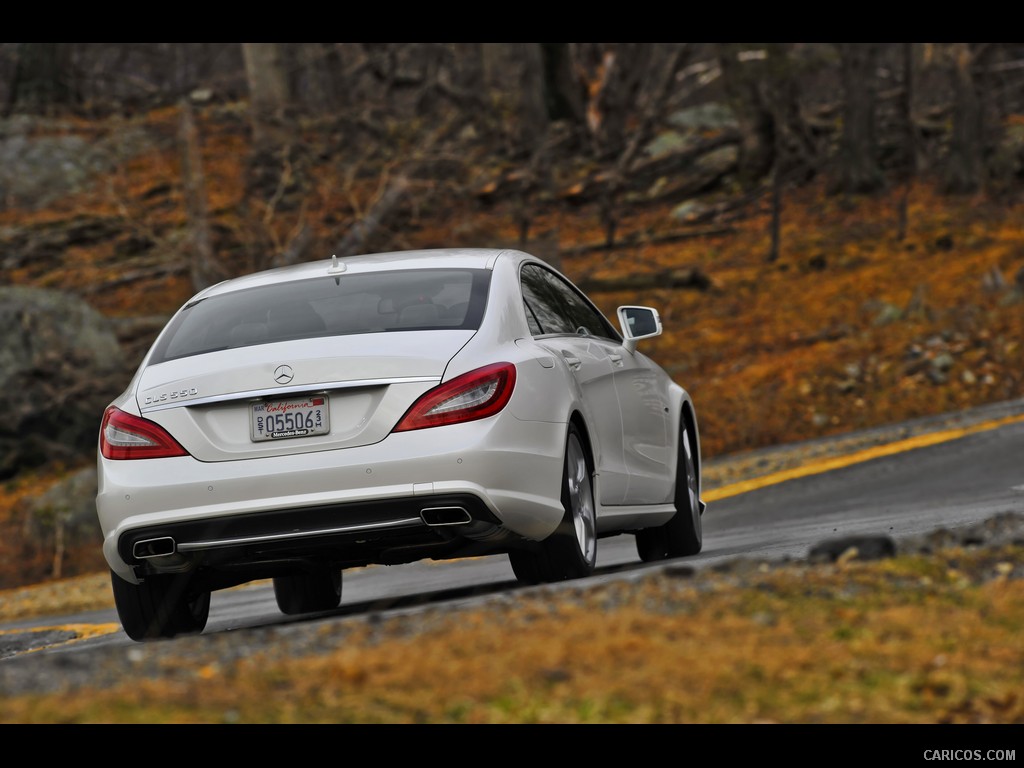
(379, 302)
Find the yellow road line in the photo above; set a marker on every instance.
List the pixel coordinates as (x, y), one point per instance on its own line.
(814, 468)
(85, 631)
(80, 632)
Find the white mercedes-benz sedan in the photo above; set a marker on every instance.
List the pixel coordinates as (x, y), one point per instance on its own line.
(388, 408)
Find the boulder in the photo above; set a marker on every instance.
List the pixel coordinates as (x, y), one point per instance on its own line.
(60, 364)
(853, 548)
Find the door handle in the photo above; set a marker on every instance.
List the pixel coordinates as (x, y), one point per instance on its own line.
(573, 362)
(616, 359)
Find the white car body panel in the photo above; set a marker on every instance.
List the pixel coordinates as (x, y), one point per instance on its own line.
(368, 392)
(591, 368)
(154, 493)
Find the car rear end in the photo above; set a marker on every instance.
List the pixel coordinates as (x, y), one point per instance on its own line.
(297, 420)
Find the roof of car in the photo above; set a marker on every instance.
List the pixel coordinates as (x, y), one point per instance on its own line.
(470, 258)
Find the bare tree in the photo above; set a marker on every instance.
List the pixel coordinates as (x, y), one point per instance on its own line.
(531, 112)
(785, 65)
(623, 69)
(382, 63)
(321, 67)
(468, 69)
(655, 104)
(269, 96)
(909, 169)
(964, 164)
(203, 269)
(431, 59)
(743, 80)
(271, 167)
(858, 169)
(762, 87)
(564, 93)
(42, 77)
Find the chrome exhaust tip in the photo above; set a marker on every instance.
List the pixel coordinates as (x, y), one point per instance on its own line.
(150, 548)
(440, 516)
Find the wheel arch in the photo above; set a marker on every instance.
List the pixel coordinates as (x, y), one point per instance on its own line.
(688, 420)
(576, 420)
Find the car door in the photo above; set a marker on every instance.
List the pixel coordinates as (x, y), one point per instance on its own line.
(564, 323)
(644, 404)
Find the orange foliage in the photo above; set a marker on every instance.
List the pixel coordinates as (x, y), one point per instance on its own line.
(840, 332)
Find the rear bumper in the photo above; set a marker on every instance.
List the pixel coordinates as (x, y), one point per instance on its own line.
(342, 535)
(394, 501)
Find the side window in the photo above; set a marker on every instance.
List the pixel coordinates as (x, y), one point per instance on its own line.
(531, 320)
(543, 302)
(559, 307)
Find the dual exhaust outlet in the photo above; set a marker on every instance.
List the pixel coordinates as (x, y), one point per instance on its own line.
(434, 517)
(441, 516)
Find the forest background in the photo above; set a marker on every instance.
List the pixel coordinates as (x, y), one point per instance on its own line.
(831, 231)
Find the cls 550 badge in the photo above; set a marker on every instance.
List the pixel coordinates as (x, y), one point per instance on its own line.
(177, 394)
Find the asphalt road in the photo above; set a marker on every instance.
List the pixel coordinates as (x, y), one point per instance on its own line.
(902, 483)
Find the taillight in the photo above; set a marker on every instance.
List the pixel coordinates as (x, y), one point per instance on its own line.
(474, 395)
(123, 436)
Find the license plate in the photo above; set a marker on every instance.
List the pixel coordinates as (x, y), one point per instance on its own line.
(296, 417)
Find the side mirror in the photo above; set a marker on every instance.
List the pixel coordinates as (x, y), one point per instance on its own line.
(638, 323)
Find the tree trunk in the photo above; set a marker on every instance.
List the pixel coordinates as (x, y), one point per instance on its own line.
(859, 172)
(533, 115)
(203, 270)
(430, 57)
(966, 144)
(624, 68)
(42, 77)
(794, 144)
(743, 85)
(468, 71)
(775, 246)
(269, 101)
(321, 66)
(268, 93)
(910, 139)
(564, 93)
(608, 204)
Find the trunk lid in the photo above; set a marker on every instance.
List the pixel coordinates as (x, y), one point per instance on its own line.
(366, 383)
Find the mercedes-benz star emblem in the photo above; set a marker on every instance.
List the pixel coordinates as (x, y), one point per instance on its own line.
(283, 374)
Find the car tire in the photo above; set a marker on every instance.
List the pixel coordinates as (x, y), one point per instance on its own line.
(161, 606)
(683, 534)
(571, 551)
(308, 591)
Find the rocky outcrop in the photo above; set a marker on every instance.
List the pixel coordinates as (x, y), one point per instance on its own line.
(60, 364)
(42, 160)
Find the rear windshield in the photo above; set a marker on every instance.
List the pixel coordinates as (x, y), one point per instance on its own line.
(380, 302)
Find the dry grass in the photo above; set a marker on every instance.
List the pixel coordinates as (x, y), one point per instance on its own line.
(907, 640)
(88, 592)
